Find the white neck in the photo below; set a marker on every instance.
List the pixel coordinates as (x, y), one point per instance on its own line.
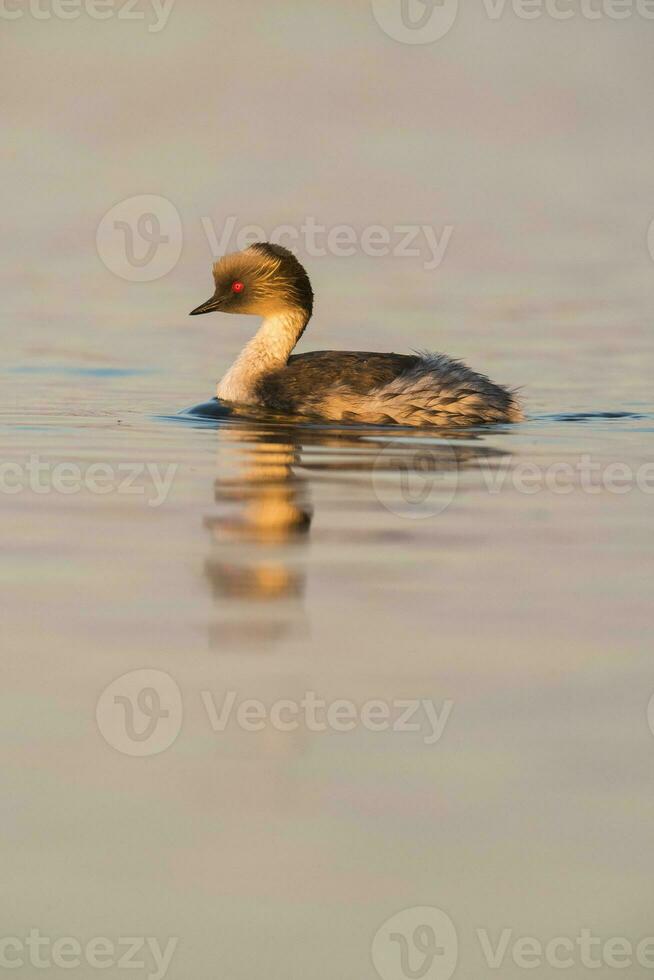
(268, 350)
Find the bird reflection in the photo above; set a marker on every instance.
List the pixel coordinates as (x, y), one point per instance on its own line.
(257, 567)
(263, 505)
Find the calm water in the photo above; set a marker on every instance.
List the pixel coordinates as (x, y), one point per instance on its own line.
(499, 576)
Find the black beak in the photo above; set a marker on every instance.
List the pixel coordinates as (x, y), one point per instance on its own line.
(208, 307)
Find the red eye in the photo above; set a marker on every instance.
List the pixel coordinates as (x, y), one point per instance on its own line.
(237, 287)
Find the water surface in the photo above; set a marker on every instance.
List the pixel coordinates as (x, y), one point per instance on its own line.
(357, 563)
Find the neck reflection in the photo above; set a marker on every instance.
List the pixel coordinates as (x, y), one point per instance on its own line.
(263, 516)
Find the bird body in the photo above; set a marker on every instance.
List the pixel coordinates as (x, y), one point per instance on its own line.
(345, 386)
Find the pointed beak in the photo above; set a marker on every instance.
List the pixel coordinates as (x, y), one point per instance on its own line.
(208, 307)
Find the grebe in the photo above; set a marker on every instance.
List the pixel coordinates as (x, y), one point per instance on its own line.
(342, 386)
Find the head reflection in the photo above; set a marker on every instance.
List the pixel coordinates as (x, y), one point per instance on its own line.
(263, 507)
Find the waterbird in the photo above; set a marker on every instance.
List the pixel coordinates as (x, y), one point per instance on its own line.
(418, 389)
